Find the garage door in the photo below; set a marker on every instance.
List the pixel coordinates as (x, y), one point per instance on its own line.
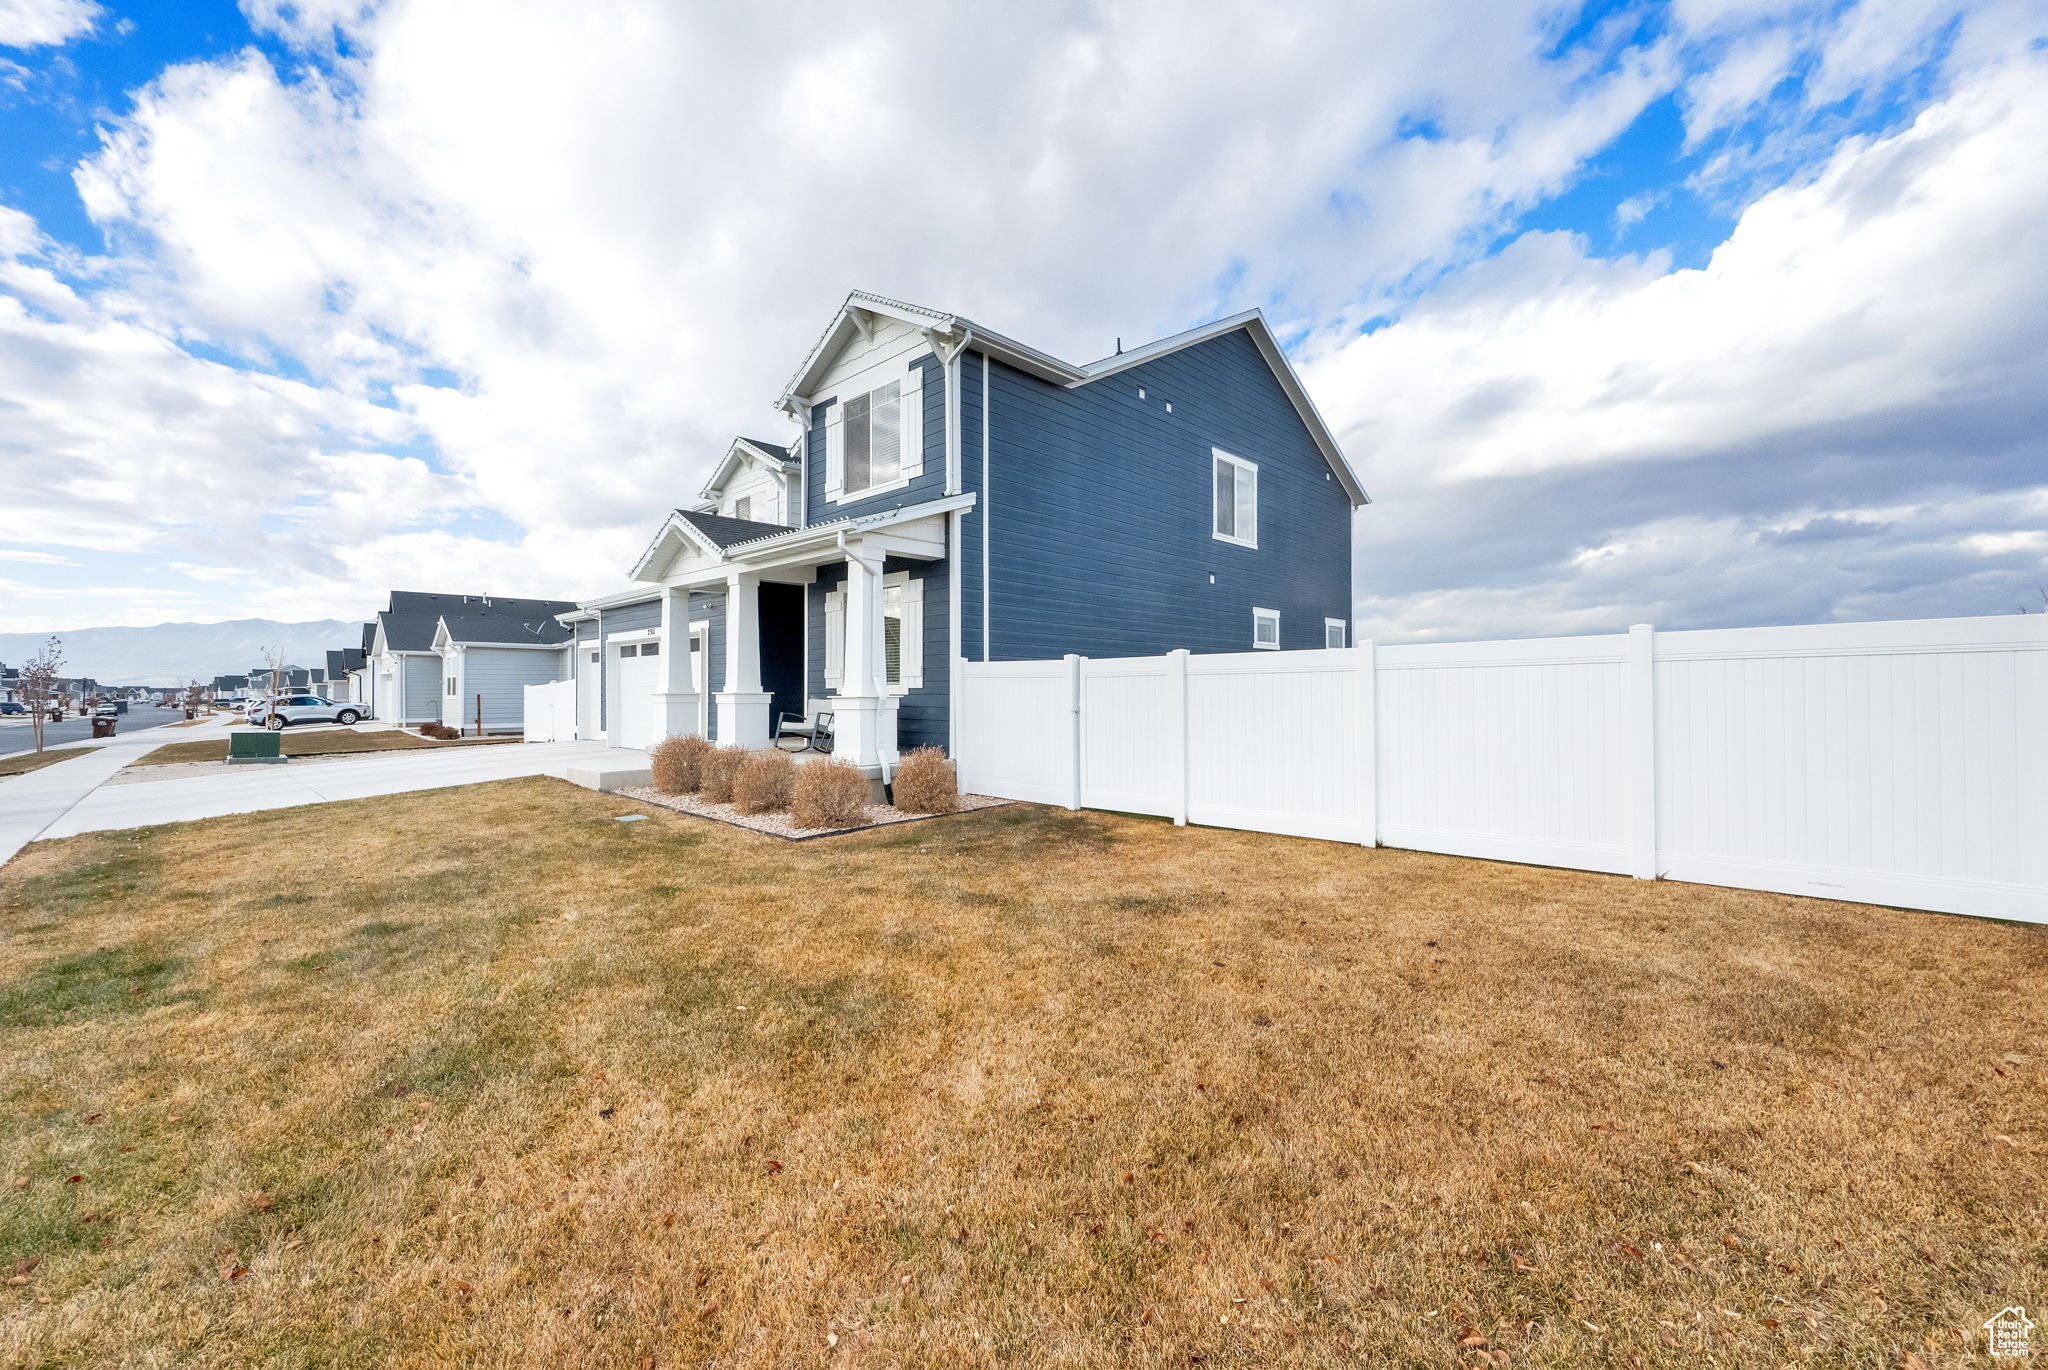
(638, 676)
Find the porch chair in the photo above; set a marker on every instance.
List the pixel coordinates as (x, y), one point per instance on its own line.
(812, 730)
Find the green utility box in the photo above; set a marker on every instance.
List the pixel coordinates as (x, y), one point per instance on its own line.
(255, 747)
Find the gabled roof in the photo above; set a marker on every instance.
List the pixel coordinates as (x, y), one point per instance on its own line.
(723, 532)
(410, 622)
(861, 307)
(774, 455)
(340, 662)
(487, 628)
(770, 447)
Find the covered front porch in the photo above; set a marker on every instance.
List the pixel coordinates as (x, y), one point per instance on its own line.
(752, 628)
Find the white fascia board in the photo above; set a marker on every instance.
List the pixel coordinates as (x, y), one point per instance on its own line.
(680, 526)
(739, 454)
(803, 539)
(638, 594)
(513, 646)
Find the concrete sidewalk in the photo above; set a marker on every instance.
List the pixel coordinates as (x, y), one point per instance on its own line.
(254, 788)
(30, 803)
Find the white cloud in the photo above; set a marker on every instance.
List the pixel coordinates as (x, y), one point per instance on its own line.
(43, 23)
(34, 558)
(1704, 445)
(618, 235)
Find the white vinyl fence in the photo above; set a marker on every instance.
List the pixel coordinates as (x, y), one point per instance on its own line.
(1893, 763)
(551, 712)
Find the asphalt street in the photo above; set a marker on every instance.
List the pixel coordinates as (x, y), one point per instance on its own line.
(18, 735)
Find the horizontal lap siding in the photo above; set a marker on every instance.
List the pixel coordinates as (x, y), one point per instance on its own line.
(930, 482)
(921, 718)
(421, 686)
(501, 676)
(1100, 507)
(974, 366)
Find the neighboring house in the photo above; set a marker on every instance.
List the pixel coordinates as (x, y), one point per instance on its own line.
(226, 685)
(10, 685)
(956, 495)
(491, 652)
(404, 667)
(342, 667)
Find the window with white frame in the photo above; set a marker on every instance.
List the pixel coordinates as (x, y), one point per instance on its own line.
(451, 687)
(743, 507)
(1236, 502)
(1266, 628)
(1333, 632)
(902, 645)
(872, 436)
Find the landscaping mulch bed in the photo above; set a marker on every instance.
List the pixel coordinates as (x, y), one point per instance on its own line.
(779, 825)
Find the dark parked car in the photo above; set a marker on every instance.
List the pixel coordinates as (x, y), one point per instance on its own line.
(11, 707)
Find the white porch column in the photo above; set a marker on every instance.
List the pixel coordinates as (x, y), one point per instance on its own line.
(858, 722)
(676, 701)
(742, 705)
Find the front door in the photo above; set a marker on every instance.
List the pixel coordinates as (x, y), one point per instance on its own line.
(638, 676)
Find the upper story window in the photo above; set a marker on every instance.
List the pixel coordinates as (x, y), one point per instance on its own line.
(743, 507)
(874, 438)
(1236, 499)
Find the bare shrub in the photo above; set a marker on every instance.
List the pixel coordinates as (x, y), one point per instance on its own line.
(441, 732)
(829, 794)
(718, 772)
(766, 780)
(679, 764)
(926, 783)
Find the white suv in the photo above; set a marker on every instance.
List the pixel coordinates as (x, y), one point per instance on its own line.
(302, 709)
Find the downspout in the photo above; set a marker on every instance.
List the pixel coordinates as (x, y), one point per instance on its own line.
(956, 461)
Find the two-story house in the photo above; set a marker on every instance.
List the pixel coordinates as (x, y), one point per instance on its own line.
(950, 494)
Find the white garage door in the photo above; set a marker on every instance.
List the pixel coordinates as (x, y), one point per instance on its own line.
(638, 675)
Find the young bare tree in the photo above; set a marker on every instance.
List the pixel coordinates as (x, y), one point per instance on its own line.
(39, 683)
(195, 699)
(275, 661)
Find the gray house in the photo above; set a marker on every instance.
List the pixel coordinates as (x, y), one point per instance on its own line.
(420, 671)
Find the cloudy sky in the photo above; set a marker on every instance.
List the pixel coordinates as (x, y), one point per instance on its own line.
(1712, 313)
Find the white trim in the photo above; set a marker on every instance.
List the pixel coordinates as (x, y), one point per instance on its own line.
(909, 437)
(1257, 615)
(632, 635)
(1343, 632)
(1241, 466)
(908, 594)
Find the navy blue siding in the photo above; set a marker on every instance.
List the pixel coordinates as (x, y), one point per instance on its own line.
(1101, 502)
(975, 373)
(930, 484)
(922, 716)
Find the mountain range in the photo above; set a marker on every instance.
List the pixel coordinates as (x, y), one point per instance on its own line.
(173, 653)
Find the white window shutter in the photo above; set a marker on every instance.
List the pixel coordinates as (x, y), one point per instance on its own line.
(835, 637)
(912, 422)
(835, 453)
(910, 609)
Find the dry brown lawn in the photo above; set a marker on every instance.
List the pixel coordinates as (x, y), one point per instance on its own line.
(482, 1078)
(294, 744)
(21, 763)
